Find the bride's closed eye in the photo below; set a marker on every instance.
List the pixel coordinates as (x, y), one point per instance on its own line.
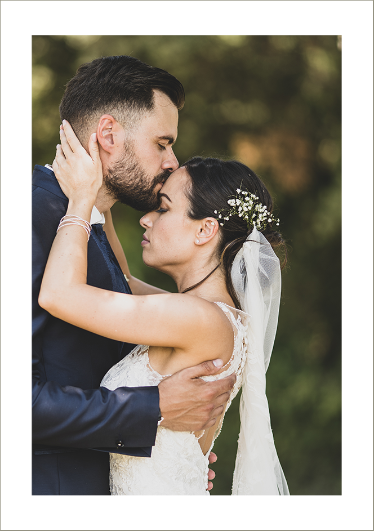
(161, 210)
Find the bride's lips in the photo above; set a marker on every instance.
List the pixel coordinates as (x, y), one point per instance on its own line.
(145, 241)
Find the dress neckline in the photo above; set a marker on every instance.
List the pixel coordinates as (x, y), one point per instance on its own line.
(162, 376)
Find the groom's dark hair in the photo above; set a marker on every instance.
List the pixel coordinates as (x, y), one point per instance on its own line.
(121, 86)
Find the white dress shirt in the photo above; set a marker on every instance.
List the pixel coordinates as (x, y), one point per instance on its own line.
(96, 216)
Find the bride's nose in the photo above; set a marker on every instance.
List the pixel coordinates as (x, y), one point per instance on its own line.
(146, 221)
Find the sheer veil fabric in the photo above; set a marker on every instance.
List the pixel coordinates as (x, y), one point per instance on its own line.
(256, 278)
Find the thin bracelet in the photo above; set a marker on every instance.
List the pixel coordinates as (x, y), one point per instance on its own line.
(75, 220)
(66, 223)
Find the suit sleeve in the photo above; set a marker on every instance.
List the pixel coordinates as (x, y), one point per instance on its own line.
(70, 416)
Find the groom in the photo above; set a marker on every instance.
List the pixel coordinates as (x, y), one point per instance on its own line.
(133, 108)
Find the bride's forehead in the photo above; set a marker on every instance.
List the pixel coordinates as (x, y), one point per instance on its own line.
(177, 182)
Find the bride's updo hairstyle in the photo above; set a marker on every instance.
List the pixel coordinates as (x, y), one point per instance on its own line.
(213, 183)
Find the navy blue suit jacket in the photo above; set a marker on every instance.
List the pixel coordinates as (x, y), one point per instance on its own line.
(69, 408)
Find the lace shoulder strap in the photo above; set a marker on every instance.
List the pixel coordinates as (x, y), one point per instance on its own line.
(238, 320)
(236, 363)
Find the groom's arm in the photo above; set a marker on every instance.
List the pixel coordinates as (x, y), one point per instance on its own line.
(70, 416)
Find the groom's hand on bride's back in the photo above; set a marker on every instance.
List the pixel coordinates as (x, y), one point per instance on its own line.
(188, 403)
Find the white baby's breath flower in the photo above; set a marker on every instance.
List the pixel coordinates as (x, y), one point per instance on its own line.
(247, 206)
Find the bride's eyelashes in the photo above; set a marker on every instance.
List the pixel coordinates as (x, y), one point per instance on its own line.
(161, 210)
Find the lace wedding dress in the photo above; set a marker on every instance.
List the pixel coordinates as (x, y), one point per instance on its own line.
(177, 465)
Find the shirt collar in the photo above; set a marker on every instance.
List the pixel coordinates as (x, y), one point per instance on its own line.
(96, 216)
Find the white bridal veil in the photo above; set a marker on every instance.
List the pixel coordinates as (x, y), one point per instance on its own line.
(257, 281)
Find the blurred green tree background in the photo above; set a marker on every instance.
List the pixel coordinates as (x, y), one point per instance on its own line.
(274, 103)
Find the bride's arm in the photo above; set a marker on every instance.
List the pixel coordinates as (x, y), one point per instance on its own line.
(170, 320)
(138, 287)
(174, 320)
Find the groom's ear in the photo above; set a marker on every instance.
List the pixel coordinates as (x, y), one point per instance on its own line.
(109, 133)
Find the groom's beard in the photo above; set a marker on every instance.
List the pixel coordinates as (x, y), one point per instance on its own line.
(127, 182)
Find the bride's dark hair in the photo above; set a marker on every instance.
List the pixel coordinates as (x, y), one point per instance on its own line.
(213, 182)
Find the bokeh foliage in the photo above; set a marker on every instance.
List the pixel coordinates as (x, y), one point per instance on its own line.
(273, 102)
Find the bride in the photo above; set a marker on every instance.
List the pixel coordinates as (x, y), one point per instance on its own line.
(212, 233)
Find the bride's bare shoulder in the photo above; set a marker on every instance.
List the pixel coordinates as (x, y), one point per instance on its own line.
(214, 332)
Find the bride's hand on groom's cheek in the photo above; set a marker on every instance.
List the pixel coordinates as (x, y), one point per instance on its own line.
(79, 173)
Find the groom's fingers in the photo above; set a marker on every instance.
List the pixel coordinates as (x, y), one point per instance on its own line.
(216, 413)
(219, 390)
(211, 474)
(207, 368)
(188, 403)
(212, 458)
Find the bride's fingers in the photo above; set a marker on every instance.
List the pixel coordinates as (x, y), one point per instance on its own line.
(65, 144)
(55, 166)
(71, 138)
(60, 157)
(58, 160)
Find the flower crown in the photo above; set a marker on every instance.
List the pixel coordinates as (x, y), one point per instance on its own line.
(247, 206)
